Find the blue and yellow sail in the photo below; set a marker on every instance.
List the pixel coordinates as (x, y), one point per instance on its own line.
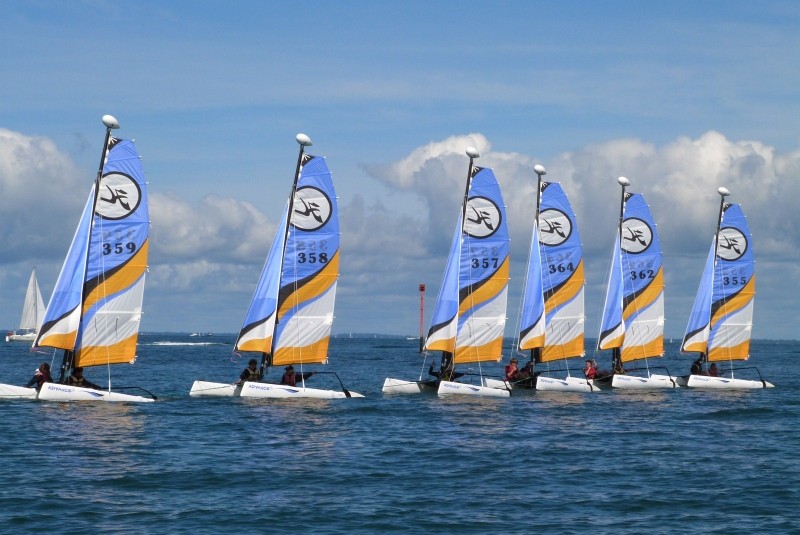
(720, 325)
(553, 300)
(96, 305)
(633, 316)
(469, 317)
(291, 313)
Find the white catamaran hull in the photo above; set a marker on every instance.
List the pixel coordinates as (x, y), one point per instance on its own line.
(565, 384)
(722, 383)
(449, 388)
(634, 382)
(272, 391)
(207, 388)
(16, 392)
(56, 392)
(402, 386)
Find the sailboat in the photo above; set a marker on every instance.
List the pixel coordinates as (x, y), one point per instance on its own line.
(32, 313)
(96, 306)
(469, 317)
(291, 313)
(552, 311)
(721, 321)
(633, 316)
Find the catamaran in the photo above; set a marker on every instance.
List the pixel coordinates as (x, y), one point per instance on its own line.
(96, 306)
(721, 321)
(469, 317)
(32, 313)
(291, 313)
(552, 310)
(633, 316)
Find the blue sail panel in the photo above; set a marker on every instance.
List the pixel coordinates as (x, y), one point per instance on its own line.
(696, 338)
(643, 282)
(483, 271)
(116, 262)
(612, 331)
(444, 321)
(259, 324)
(561, 258)
(733, 289)
(310, 269)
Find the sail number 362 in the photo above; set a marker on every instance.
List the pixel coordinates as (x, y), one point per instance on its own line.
(119, 248)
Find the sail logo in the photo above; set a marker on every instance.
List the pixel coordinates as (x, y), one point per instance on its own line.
(311, 209)
(482, 217)
(119, 196)
(554, 227)
(732, 244)
(636, 236)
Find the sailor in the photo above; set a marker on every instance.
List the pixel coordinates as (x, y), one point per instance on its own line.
(41, 376)
(76, 378)
(290, 378)
(251, 373)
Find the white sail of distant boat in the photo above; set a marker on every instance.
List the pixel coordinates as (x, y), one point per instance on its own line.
(32, 313)
(552, 311)
(96, 306)
(721, 322)
(633, 316)
(291, 313)
(469, 317)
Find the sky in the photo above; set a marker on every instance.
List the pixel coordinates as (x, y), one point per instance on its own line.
(680, 97)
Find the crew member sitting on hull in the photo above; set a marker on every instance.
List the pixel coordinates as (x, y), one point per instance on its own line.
(251, 373)
(76, 379)
(41, 376)
(290, 378)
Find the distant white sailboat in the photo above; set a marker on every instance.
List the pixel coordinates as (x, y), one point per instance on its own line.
(721, 322)
(32, 313)
(469, 317)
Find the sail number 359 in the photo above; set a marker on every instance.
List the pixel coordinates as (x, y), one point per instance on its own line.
(119, 248)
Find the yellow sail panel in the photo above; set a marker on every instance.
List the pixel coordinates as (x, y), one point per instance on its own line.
(61, 334)
(571, 348)
(441, 344)
(653, 348)
(495, 284)
(614, 340)
(490, 351)
(259, 345)
(119, 280)
(310, 289)
(532, 343)
(59, 341)
(315, 353)
(737, 352)
(123, 351)
(571, 288)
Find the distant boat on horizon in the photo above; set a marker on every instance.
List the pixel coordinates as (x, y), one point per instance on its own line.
(32, 313)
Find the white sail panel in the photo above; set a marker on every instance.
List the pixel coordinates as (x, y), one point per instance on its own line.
(304, 337)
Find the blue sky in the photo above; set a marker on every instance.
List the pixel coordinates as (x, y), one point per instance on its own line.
(680, 97)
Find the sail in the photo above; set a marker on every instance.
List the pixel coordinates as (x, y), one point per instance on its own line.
(469, 317)
(309, 271)
(33, 308)
(553, 303)
(633, 317)
(721, 321)
(96, 305)
(259, 324)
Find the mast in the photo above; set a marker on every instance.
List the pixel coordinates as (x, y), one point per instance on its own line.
(536, 352)
(111, 123)
(304, 141)
(421, 317)
(723, 192)
(616, 353)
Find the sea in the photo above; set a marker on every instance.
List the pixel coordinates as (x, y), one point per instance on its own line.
(677, 461)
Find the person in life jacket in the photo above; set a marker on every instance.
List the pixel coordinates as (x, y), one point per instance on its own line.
(511, 370)
(251, 373)
(290, 378)
(76, 379)
(41, 376)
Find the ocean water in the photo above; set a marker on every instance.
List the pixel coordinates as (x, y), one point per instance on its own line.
(610, 462)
